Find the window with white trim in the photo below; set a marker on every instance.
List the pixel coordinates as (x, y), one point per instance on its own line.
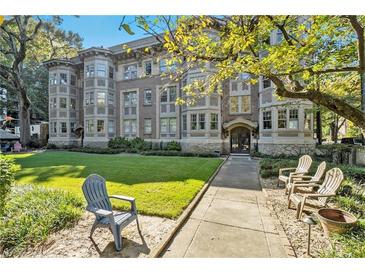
(72, 127)
(168, 127)
(101, 70)
(63, 126)
(240, 104)
(282, 118)
(266, 82)
(130, 72)
(72, 103)
(111, 72)
(266, 119)
(130, 103)
(307, 120)
(147, 68)
(63, 102)
(53, 103)
(63, 78)
(214, 121)
(100, 100)
(90, 71)
(201, 121)
(111, 126)
(147, 126)
(90, 126)
(54, 127)
(147, 97)
(100, 126)
(130, 127)
(168, 99)
(53, 79)
(293, 118)
(73, 80)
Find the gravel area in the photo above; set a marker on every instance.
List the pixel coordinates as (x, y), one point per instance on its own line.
(75, 242)
(296, 231)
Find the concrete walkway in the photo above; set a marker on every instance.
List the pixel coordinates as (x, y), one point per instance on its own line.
(231, 220)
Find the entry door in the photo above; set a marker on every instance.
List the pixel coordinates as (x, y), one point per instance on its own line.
(240, 140)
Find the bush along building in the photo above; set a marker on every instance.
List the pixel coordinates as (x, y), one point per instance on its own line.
(116, 91)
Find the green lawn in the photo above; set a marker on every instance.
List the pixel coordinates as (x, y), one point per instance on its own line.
(162, 186)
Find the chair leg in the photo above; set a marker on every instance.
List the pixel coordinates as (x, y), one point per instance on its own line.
(301, 208)
(289, 203)
(117, 238)
(298, 210)
(95, 225)
(138, 227)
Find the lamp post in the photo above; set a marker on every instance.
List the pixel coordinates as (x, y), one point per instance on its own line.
(309, 220)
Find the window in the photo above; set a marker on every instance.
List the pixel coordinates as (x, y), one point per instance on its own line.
(54, 127)
(130, 72)
(53, 103)
(72, 127)
(72, 103)
(147, 97)
(110, 98)
(90, 71)
(63, 127)
(163, 98)
(279, 36)
(213, 121)
(240, 104)
(201, 121)
(111, 72)
(282, 118)
(111, 126)
(184, 122)
(130, 103)
(130, 127)
(234, 104)
(266, 83)
(148, 68)
(163, 66)
(307, 120)
(266, 119)
(91, 98)
(53, 79)
(89, 126)
(63, 78)
(193, 122)
(172, 93)
(168, 126)
(73, 80)
(100, 70)
(100, 101)
(63, 102)
(245, 104)
(293, 119)
(147, 128)
(100, 126)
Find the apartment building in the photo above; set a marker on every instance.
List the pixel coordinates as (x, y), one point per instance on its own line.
(113, 92)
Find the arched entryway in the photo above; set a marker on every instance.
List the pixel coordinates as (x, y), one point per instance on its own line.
(240, 138)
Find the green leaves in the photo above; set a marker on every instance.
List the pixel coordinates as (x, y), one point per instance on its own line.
(127, 28)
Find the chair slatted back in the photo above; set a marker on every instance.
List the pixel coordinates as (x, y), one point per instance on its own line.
(304, 164)
(95, 193)
(331, 183)
(320, 171)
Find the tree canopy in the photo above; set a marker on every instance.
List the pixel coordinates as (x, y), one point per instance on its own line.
(318, 58)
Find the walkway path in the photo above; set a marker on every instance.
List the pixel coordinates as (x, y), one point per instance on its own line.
(231, 220)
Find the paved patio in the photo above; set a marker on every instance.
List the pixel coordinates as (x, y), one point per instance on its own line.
(231, 220)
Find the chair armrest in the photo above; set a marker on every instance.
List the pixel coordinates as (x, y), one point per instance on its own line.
(103, 212)
(305, 185)
(286, 169)
(128, 199)
(302, 176)
(319, 195)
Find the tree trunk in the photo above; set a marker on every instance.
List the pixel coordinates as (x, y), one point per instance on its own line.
(24, 118)
(319, 126)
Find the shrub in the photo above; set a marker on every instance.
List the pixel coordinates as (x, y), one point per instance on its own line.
(32, 214)
(98, 150)
(139, 144)
(177, 153)
(51, 146)
(173, 145)
(34, 144)
(119, 142)
(7, 171)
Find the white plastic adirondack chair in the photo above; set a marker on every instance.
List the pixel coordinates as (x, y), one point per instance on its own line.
(328, 188)
(304, 164)
(306, 179)
(98, 202)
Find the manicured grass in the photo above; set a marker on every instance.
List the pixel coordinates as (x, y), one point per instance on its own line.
(162, 186)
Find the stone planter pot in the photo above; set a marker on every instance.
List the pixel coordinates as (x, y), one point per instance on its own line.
(336, 220)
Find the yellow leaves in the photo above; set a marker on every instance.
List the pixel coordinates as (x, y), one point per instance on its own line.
(2, 18)
(129, 50)
(146, 50)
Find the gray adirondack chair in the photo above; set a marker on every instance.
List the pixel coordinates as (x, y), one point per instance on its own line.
(98, 202)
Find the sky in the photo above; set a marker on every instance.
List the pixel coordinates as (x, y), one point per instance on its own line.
(100, 30)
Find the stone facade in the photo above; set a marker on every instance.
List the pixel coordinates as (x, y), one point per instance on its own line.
(286, 149)
(109, 92)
